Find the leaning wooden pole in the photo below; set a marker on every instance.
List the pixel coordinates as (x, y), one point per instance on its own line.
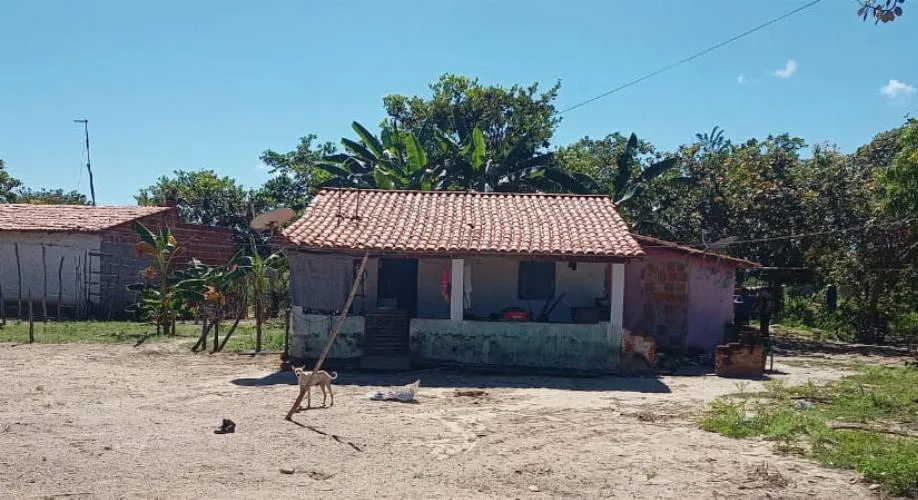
(331, 338)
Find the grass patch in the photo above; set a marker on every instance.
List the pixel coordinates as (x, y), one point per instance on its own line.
(115, 332)
(801, 419)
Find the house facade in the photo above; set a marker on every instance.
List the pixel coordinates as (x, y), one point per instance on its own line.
(82, 257)
(493, 280)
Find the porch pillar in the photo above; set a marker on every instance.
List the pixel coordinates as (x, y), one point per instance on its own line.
(456, 290)
(617, 300)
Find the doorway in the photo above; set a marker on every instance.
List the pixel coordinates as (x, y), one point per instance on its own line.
(398, 284)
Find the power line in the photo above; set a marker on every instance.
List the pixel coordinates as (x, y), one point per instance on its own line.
(692, 57)
(715, 245)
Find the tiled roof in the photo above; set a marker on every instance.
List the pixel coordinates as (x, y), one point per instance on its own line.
(69, 218)
(648, 242)
(463, 223)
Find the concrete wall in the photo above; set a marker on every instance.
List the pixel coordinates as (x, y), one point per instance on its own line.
(710, 309)
(309, 333)
(322, 282)
(515, 345)
(684, 301)
(495, 282)
(74, 248)
(431, 303)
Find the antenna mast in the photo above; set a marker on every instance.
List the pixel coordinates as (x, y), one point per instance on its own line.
(92, 187)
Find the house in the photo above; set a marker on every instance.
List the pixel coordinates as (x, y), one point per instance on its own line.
(521, 280)
(82, 257)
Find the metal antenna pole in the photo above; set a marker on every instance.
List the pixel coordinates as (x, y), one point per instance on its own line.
(92, 187)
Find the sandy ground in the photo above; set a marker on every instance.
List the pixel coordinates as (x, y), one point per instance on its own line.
(117, 421)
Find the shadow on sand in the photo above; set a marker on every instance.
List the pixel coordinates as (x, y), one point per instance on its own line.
(454, 379)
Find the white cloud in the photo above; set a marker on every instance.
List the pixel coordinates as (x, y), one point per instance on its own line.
(896, 89)
(789, 70)
(741, 79)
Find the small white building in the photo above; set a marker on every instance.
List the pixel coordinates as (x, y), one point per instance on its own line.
(81, 257)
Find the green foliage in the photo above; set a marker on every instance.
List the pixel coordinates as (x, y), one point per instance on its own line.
(507, 117)
(882, 10)
(877, 396)
(296, 178)
(13, 191)
(51, 197)
(8, 185)
(201, 197)
(163, 294)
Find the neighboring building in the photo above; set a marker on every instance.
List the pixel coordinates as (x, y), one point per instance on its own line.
(448, 270)
(83, 256)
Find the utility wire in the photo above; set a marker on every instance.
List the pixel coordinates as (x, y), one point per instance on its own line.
(715, 245)
(692, 57)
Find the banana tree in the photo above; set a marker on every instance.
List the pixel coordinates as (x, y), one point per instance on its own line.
(161, 292)
(396, 160)
(260, 272)
(467, 166)
(627, 185)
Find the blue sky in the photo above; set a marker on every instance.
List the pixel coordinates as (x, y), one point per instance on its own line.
(186, 85)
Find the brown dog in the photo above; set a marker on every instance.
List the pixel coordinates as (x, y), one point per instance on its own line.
(321, 379)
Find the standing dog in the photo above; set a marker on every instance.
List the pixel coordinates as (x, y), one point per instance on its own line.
(321, 379)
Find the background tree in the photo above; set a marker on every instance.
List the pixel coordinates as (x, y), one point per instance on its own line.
(506, 116)
(881, 10)
(296, 178)
(201, 197)
(8, 185)
(50, 197)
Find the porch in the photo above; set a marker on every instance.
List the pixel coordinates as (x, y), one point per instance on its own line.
(481, 311)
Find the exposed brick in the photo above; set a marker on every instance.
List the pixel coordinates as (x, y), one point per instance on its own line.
(740, 359)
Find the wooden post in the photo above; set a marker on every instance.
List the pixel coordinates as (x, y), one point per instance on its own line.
(2, 301)
(77, 301)
(31, 324)
(19, 281)
(242, 312)
(44, 273)
(60, 287)
(331, 338)
(87, 263)
(217, 330)
(286, 355)
(259, 317)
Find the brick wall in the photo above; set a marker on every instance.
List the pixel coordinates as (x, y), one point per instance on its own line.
(741, 359)
(666, 301)
(119, 267)
(210, 245)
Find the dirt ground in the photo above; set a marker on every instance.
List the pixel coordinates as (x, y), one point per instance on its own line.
(107, 421)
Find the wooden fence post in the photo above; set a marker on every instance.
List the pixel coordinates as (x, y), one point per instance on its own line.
(31, 323)
(60, 287)
(19, 281)
(44, 273)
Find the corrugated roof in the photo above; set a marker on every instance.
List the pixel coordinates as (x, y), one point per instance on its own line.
(647, 242)
(454, 222)
(69, 218)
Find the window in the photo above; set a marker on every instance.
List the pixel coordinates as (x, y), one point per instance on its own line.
(536, 280)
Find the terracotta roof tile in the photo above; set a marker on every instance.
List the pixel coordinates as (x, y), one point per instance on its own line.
(648, 242)
(453, 222)
(69, 218)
